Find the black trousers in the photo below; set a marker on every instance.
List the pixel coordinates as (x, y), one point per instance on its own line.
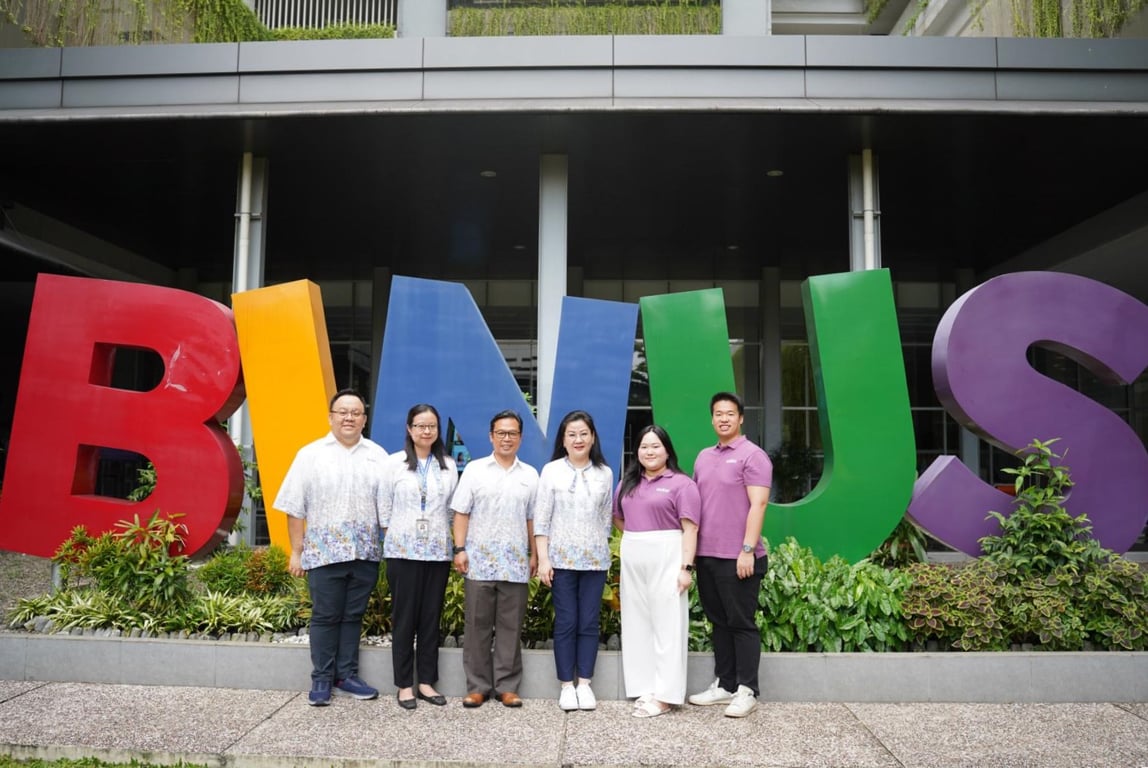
(417, 589)
(731, 606)
(339, 596)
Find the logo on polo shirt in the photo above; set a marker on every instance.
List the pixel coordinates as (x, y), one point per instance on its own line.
(662, 490)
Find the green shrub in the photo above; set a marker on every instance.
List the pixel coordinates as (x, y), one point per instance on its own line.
(701, 631)
(241, 569)
(669, 17)
(1043, 580)
(904, 546)
(138, 564)
(956, 606)
(267, 572)
(226, 570)
(377, 618)
(452, 622)
(809, 605)
(538, 625)
(335, 32)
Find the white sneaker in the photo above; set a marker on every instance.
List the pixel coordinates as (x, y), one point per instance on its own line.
(743, 702)
(715, 694)
(586, 698)
(568, 699)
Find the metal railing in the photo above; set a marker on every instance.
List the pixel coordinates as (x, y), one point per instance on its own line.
(277, 14)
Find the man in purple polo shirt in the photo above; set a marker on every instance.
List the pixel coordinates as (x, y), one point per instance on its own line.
(733, 479)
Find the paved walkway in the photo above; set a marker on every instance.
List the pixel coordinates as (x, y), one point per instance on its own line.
(227, 727)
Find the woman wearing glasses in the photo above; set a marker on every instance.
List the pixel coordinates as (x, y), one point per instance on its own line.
(572, 531)
(415, 517)
(657, 507)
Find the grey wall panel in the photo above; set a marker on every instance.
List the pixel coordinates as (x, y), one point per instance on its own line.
(349, 86)
(327, 55)
(709, 83)
(198, 59)
(556, 51)
(1073, 86)
(845, 84)
(19, 63)
(31, 94)
(147, 91)
(1018, 53)
(915, 52)
(521, 84)
(709, 51)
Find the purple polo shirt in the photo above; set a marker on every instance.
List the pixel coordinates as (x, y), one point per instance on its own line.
(659, 504)
(722, 473)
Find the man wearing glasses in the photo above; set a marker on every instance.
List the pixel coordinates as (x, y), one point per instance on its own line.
(494, 549)
(331, 496)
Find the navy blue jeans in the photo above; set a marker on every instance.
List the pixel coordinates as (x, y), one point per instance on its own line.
(339, 595)
(577, 597)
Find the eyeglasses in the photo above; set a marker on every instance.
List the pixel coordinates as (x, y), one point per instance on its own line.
(425, 427)
(347, 414)
(503, 434)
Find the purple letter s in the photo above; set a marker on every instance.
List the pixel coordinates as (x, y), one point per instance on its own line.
(982, 377)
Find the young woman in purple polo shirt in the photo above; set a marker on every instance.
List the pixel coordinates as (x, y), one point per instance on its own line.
(657, 507)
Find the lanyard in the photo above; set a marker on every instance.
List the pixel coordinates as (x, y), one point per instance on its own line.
(423, 470)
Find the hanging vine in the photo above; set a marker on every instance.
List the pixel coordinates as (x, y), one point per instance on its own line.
(1069, 18)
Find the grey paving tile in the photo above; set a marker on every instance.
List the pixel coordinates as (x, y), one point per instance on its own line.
(1139, 709)
(381, 731)
(1012, 735)
(774, 735)
(10, 688)
(137, 718)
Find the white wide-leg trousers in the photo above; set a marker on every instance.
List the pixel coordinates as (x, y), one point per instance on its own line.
(655, 617)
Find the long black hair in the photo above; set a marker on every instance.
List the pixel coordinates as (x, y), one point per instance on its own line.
(633, 474)
(596, 457)
(437, 449)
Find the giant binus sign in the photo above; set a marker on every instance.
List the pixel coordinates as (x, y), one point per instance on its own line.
(437, 349)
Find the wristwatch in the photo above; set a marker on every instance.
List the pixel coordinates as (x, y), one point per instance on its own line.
(456, 550)
(688, 567)
(747, 548)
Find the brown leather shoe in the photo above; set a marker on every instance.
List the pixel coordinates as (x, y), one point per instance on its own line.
(510, 699)
(472, 700)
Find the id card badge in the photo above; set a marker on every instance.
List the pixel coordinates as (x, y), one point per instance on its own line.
(422, 529)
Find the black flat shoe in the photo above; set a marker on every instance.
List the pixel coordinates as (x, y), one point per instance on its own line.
(406, 703)
(438, 699)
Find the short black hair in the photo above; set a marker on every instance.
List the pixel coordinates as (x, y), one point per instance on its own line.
(345, 392)
(730, 396)
(507, 414)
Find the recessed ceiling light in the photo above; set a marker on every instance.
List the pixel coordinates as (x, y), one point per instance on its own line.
(488, 174)
(732, 247)
(773, 173)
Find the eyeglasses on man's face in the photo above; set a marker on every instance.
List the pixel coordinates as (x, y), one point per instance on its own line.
(506, 434)
(347, 414)
(424, 427)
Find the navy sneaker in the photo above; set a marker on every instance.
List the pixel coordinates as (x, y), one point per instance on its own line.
(320, 695)
(355, 687)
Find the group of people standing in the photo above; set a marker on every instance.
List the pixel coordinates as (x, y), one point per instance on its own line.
(351, 505)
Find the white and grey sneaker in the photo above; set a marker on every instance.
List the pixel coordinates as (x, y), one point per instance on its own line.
(568, 699)
(744, 702)
(715, 694)
(586, 697)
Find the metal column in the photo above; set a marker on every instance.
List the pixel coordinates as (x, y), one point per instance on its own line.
(552, 217)
(247, 274)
